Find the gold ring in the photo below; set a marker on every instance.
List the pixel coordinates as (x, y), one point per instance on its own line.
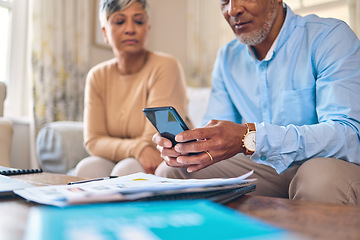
(211, 158)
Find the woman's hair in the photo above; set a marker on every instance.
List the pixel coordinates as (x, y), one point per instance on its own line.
(108, 7)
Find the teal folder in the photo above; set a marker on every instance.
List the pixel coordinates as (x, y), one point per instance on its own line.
(173, 220)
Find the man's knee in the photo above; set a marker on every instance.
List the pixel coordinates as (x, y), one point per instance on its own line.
(327, 180)
(164, 170)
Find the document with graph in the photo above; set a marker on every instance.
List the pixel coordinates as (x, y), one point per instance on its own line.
(139, 186)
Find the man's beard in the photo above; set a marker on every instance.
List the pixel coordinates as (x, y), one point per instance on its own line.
(257, 36)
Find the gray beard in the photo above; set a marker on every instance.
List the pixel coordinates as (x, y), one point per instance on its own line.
(254, 37)
(257, 36)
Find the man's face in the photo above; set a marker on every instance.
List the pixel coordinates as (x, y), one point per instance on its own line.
(251, 20)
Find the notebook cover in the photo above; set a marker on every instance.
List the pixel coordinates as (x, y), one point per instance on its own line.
(173, 220)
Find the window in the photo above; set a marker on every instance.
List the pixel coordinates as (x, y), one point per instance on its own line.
(323, 8)
(5, 20)
(14, 57)
(339, 9)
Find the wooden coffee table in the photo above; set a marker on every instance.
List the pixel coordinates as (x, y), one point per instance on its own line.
(313, 220)
(309, 220)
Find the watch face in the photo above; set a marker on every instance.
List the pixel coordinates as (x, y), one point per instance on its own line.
(250, 141)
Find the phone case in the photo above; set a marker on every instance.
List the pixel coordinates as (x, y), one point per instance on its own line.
(167, 121)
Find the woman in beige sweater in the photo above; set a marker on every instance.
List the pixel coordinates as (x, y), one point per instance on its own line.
(116, 133)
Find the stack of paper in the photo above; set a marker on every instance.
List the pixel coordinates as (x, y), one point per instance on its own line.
(139, 186)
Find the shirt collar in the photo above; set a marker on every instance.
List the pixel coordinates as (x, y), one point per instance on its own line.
(269, 54)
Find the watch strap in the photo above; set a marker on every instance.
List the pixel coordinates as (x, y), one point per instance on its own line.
(251, 127)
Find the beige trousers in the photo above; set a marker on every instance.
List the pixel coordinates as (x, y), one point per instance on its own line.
(98, 167)
(319, 179)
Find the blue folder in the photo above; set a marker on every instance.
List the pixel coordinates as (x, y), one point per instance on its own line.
(154, 220)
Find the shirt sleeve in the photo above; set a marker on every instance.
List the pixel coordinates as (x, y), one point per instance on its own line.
(336, 66)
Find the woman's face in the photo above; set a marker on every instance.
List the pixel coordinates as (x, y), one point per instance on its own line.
(126, 31)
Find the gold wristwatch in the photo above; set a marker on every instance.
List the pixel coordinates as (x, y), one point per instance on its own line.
(249, 139)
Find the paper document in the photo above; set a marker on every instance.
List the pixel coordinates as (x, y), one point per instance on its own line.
(126, 188)
(8, 185)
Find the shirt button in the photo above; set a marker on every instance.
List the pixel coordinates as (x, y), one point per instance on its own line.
(263, 158)
(262, 69)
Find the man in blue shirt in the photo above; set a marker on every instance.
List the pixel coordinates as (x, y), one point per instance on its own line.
(286, 99)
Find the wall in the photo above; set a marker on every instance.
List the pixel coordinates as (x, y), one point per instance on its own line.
(97, 53)
(168, 31)
(169, 28)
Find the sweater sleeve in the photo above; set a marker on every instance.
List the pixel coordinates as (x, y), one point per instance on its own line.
(95, 131)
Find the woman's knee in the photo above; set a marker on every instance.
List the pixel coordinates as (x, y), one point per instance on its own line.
(94, 167)
(127, 166)
(327, 180)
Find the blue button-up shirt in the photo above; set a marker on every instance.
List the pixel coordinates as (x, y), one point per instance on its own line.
(304, 97)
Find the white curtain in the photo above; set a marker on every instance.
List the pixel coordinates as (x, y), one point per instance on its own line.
(354, 6)
(60, 58)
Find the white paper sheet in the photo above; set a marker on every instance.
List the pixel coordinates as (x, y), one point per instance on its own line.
(8, 185)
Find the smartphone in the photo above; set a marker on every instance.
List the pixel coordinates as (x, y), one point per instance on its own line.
(167, 121)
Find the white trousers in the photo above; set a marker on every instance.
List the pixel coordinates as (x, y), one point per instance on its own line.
(98, 167)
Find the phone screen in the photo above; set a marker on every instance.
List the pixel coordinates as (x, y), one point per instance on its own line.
(167, 121)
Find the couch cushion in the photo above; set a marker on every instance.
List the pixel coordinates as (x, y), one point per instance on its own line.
(198, 100)
(59, 146)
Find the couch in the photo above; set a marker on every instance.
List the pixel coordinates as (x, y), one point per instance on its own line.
(59, 145)
(6, 131)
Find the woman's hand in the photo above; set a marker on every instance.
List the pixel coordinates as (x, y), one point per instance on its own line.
(150, 159)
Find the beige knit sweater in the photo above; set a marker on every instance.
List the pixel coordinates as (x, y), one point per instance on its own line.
(114, 125)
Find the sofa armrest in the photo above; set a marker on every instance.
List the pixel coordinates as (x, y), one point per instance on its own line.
(59, 146)
(6, 135)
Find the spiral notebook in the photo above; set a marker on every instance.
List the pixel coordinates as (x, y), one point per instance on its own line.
(15, 171)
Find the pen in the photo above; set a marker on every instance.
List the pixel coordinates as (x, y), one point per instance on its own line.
(91, 180)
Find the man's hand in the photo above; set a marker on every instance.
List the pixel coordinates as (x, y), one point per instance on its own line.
(168, 153)
(150, 159)
(221, 139)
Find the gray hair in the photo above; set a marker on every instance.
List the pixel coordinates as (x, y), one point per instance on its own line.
(108, 7)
